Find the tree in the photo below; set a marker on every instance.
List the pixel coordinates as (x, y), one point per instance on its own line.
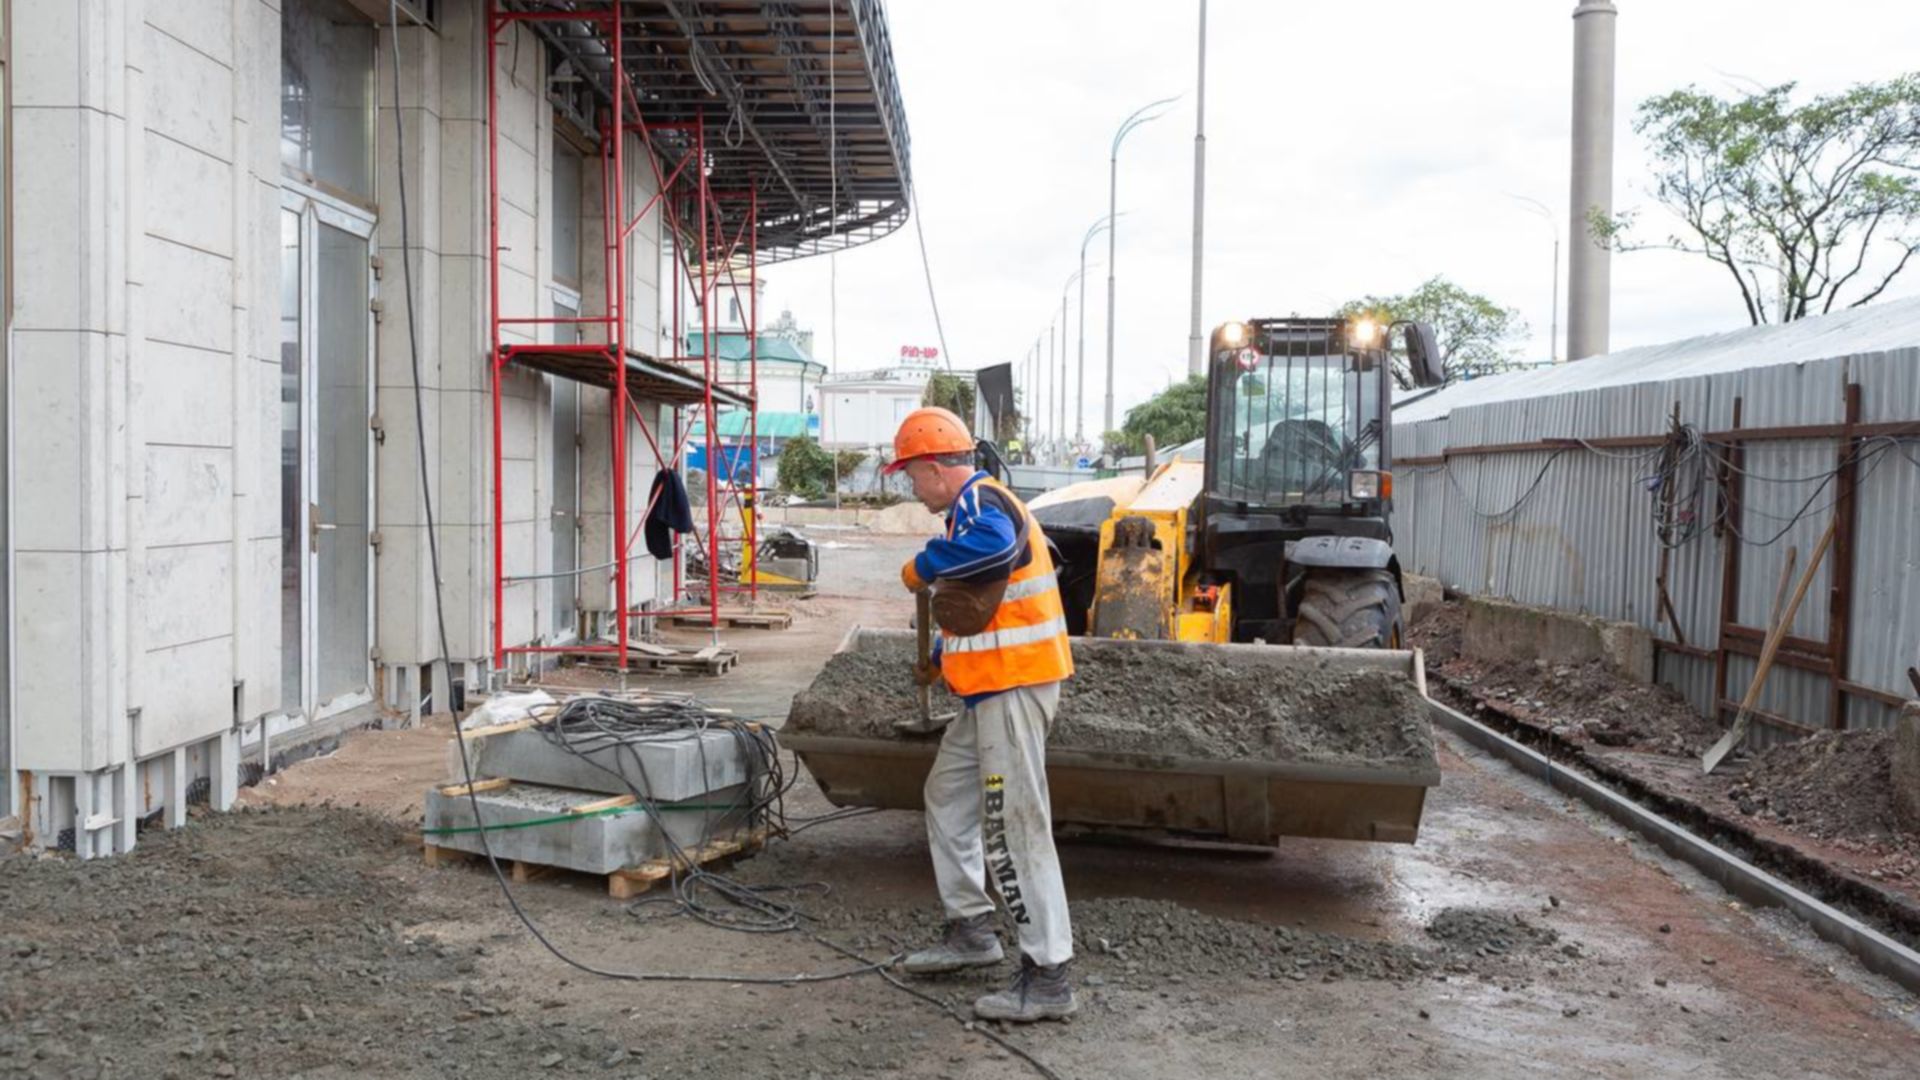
(950, 392)
(1475, 334)
(1807, 207)
(1175, 415)
(805, 467)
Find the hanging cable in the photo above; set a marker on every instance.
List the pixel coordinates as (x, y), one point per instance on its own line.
(913, 197)
(610, 723)
(439, 603)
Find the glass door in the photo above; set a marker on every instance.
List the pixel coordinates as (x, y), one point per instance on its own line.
(565, 478)
(326, 456)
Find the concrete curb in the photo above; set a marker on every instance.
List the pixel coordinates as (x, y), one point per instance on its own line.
(1876, 951)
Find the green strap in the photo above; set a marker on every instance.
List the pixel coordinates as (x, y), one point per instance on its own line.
(610, 811)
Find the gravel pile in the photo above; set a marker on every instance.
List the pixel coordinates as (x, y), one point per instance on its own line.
(1155, 701)
(258, 943)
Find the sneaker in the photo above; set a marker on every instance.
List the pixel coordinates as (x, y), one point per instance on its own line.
(1037, 993)
(967, 943)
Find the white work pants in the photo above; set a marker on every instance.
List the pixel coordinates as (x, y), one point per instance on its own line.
(988, 818)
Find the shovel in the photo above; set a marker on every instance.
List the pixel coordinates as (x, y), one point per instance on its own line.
(1738, 733)
(926, 723)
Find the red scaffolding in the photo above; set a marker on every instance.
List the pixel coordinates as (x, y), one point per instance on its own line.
(704, 253)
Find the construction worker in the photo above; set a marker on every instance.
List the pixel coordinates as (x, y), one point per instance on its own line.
(1003, 651)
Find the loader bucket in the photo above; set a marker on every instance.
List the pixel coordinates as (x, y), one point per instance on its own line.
(1330, 778)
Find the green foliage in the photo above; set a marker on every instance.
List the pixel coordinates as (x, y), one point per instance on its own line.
(1175, 415)
(845, 461)
(1009, 426)
(950, 392)
(1475, 334)
(1808, 207)
(805, 467)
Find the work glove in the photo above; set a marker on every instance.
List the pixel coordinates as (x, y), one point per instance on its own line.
(926, 674)
(911, 578)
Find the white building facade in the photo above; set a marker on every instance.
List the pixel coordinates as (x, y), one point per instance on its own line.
(215, 521)
(861, 410)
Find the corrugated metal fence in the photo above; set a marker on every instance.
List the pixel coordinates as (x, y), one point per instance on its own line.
(1559, 498)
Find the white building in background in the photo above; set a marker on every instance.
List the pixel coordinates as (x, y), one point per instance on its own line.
(861, 410)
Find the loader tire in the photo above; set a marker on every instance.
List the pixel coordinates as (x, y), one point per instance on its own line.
(1349, 609)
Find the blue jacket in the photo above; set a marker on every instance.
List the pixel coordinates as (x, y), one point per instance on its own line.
(986, 541)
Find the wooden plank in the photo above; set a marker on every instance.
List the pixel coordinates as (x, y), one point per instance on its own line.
(629, 883)
(478, 787)
(1781, 621)
(611, 803)
(632, 881)
(523, 872)
(441, 856)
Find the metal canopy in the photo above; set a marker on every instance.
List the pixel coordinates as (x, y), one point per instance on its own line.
(757, 75)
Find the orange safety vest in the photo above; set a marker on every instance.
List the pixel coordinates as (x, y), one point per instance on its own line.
(1025, 644)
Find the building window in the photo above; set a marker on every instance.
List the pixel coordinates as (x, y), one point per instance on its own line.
(326, 95)
(566, 213)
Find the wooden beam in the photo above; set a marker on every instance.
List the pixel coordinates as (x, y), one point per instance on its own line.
(1846, 512)
(478, 787)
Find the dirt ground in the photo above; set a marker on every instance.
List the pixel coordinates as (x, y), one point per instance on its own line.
(1828, 798)
(1521, 935)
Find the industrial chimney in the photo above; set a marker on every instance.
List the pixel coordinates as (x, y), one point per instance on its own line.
(1589, 272)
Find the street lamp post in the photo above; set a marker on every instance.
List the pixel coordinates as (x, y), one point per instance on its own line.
(1055, 376)
(1195, 365)
(1139, 116)
(1063, 364)
(1033, 398)
(1553, 225)
(1080, 415)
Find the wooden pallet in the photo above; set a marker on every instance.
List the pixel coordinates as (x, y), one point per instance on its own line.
(642, 656)
(631, 882)
(624, 884)
(738, 617)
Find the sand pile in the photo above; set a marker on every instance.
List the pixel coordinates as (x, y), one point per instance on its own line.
(906, 519)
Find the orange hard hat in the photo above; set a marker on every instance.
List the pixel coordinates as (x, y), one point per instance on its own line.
(926, 432)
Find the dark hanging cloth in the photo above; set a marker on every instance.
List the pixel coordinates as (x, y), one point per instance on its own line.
(671, 513)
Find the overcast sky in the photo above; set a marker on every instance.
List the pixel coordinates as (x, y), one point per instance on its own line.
(1352, 148)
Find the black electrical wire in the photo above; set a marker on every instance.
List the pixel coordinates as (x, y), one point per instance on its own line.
(618, 727)
(439, 606)
(767, 788)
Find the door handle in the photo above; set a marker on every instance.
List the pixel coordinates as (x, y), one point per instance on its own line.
(315, 527)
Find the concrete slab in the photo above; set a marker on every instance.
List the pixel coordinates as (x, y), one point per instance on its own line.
(1500, 629)
(1906, 766)
(670, 768)
(589, 843)
(1423, 594)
